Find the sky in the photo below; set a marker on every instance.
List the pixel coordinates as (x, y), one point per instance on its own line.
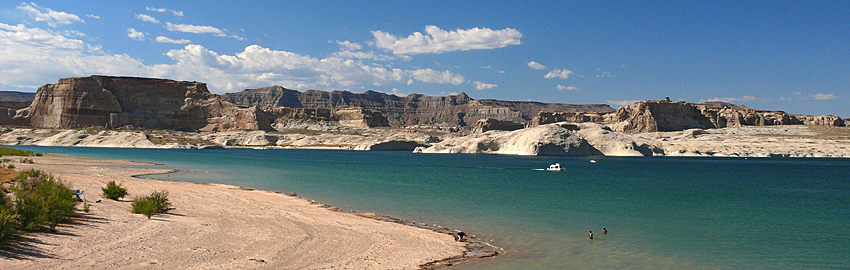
(774, 55)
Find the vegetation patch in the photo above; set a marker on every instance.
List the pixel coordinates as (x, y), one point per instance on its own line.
(114, 191)
(5, 151)
(41, 201)
(155, 203)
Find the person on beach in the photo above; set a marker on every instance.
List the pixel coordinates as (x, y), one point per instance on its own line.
(604, 231)
(459, 236)
(590, 236)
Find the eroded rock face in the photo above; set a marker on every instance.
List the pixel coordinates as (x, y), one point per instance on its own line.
(113, 102)
(559, 139)
(488, 124)
(411, 110)
(665, 115)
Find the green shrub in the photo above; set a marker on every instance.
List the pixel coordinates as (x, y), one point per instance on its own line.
(155, 203)
(11, 166)
(8, 222)
(114, 191)
(41, 200)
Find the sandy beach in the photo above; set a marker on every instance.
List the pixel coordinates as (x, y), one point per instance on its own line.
(213, 227)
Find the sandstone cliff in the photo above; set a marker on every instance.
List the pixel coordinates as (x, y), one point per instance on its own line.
(118, 102)
(666, 115)
(113, 102)
(414, 109)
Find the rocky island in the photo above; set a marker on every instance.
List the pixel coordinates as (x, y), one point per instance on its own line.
(108, 111)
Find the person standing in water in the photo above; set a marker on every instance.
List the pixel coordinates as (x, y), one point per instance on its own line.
(604, 231)
(590, 235)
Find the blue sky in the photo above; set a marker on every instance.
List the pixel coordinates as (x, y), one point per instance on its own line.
(776, 55)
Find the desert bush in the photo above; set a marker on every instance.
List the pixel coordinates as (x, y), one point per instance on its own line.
(155, 203)
(8, 222)
(11, 166)
(41, 200)
(114, 191)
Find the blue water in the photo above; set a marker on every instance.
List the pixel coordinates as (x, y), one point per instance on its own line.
(673, 213)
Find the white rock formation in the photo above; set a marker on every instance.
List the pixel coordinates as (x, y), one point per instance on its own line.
(557, 139)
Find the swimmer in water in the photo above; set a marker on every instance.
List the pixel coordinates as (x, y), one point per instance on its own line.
(590, 236)
(604, 231)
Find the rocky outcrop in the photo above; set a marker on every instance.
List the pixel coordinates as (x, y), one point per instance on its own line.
(544, 118)
(823, 120)
(488, 124)
(283, 118)
(411, 110)
(665, 115)
(559, 139)
(114, 102)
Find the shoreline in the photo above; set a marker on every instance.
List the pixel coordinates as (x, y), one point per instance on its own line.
(435, 247)
(476, 248)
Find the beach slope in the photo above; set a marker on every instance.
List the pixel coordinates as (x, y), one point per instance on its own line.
(213, 227)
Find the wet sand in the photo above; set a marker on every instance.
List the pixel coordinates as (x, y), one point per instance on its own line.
(217, 226)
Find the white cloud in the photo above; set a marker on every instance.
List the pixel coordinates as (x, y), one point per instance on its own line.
(436, 40)
(536, 66)
(197, 29)
(52, 17)
(621, 102)
(604, 74)
(30, 57)
(568, 88)
(133, 34)
(349, 46)
(484, 86)
(558, 73)
(732, 99)
(147, 18)
(163, 39)
(822, 96)
(174, 12)
(440, 77)
(92, 16)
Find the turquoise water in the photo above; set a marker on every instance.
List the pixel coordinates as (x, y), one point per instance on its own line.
(673, 213)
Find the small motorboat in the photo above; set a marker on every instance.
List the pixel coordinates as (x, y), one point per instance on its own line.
(593, 160)
(555, 167)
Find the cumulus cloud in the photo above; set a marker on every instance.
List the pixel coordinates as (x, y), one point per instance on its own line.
(822, 96)
(51, 17)
(558, 73)
(621, 102)
(436, 40)
(163, 39)
(568, 88)
(173, 12)
(196, 29)
(133, 34)
(440, 77)
(484, 86)
(349, 46)
(536, 66)
(147, 18)
(31, 57)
